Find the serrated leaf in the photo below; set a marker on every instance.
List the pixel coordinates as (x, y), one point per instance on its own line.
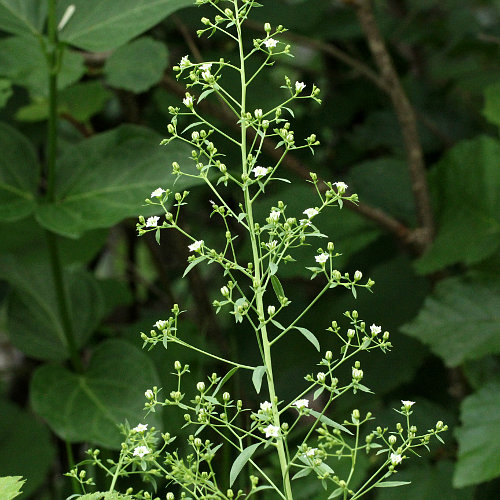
(460, 320)
(257, 375)
(89, 406)
(137, 66)
(102, 180)
(478, 437)
(466, 186)
(10, 487)
(241, 461)
(309, 336)
(98, 26)
(278, 289)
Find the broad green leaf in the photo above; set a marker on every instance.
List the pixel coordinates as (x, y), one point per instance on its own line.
(460, 320)
(428, 482)
(240, 462)
(89, 407)
(10, 487)
(33, 318)
(137, 66)
(466, 183)
(100, 25)
(83, 100)
(478, 437)
(22, 17)
(257, 375)
(104, 179)
(491, 108)
(23, 62)
(29, 451)
(309, 336)
(19, 172)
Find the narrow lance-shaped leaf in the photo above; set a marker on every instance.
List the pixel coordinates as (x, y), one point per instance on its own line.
(240, 462)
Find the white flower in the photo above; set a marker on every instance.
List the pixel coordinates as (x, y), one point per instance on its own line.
(305, 222)
(152, 221)
(301, 403)
(270, 43)
(375, 330)
(157, 193)
(275, 215)
(407, 404)
(299, 86)
(260, 171)
(266, 406)
(311, 452)
(149, 394)
(160, 324)
(188, 101)
(321, 258)
(206, 75)
(140, 428)
(396, 458)
(272, 431)
(206, 66)
(272, 244)
(310, 212)
(140, 451)
(341, 187)
(195, 246)
(185, 62)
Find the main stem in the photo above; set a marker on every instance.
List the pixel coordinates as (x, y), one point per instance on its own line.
(259, 302)
(52, 239)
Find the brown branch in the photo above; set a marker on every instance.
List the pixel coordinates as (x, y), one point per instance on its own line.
(407, 120)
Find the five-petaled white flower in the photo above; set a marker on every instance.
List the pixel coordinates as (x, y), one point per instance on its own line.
(260, 171)
(195, 246)
(272, 245)
(310, 212)
(206, 66)
(272, 431)
(396, 458)
(140, 428)
(275, 215)
(185, 62)
(301, 403)
(266, 406)
(407, 404)
(152, 221)
(321, 258)
(341, 187)
(311, 452)
(161, 324)
(299, 86)
(206, 75)
(149, 394)
(375, 330)
(140, 451)
(157, 193)
(188, 101)
(270, 43)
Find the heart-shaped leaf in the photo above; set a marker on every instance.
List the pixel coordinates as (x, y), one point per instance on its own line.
(98, 25)
(89, 407)
(18, 175)
(106, 178)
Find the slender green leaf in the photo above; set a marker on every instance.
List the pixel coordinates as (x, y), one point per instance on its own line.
(224, 379)
(391, 484)
(257, 375)
(89, 407)
(278, 289)
(19, 172)
(22, 17)
(309, 336)
(460, 320)
(137, 66)
(336, 493)
(302, 473)
(99, 25)
(240, 462)
(329, 421)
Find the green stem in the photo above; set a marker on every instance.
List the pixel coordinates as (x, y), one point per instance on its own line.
(52, 239)
(257, 274)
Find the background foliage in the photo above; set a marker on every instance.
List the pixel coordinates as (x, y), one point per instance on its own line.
(425, 106)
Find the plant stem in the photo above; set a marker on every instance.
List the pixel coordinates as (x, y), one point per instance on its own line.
(52, 239)
(257, 274)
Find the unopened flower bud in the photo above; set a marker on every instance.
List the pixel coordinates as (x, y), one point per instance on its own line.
(267, 27)
(321, 377)
(205, 21)
(170, 128)
(226, 397)
(358, 275)
(224, 291)
(329, 355)
(178, 366)
(330, 247)
(200, 386)
(392, 439)
(271, 310)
